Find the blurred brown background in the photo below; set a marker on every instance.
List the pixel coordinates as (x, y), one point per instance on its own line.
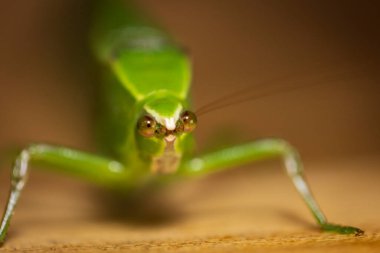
(47, 86)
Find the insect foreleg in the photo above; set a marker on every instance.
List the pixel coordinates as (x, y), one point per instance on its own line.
(91, 167)
(260, 150)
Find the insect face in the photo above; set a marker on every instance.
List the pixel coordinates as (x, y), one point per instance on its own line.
(149, 127)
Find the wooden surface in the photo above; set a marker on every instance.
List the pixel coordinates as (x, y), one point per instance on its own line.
(46, 91)
(252, 208)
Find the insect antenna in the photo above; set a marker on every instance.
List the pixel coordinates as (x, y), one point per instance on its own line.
(283, 84)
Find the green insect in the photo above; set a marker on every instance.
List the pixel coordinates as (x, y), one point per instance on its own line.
(147, 125)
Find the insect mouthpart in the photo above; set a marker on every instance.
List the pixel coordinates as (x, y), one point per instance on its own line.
(170, 138)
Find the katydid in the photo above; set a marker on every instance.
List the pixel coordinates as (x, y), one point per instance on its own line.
(147, 125)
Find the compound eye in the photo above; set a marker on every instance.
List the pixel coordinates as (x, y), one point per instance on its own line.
(189, 121)
(146, 126)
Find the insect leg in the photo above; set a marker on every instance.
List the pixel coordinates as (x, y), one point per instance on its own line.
(91, 167)
(260, 150)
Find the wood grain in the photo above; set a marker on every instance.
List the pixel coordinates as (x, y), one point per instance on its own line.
(249, 209)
